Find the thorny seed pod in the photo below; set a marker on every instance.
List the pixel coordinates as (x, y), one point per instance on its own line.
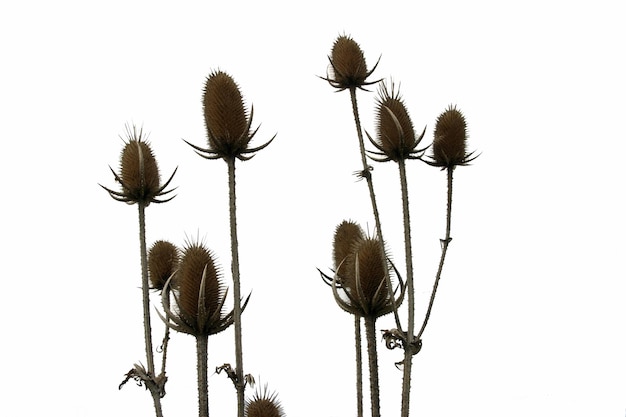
(395, 139)
(450, 142)
(199, 294)
(347, 65)
(162, 263)
(226, 119)
(264, 404)
(365, 291)
(139, 173)
(347, 235)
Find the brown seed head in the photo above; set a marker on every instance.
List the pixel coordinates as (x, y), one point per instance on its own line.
(348, 67)
(196, 261)
(139, 170)
(396, 139)
(450, 142)
(162, 263)
(347, 235)
(264, 404)
(225, 115)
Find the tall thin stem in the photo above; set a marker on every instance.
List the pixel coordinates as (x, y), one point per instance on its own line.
(359, 366)
(202, 342)
(366, 173)
(408, 351)
(370, 334)
(156, 397)
(444, 249)
(234, 248)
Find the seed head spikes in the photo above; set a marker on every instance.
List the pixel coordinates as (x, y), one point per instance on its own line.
(347, 65)
(450, 142)
(139, 173)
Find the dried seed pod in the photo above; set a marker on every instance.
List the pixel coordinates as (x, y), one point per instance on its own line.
(395, 139)
(264, 404)
(450, 142)
(347, 235)
(348, 68)
(367, 284)
(162, 262)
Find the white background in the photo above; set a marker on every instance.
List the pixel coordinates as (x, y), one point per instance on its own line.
(530, 314)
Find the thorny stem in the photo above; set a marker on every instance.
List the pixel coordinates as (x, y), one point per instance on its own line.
(234, 247)
(368, 178)
(166, 338)
(370, 334)
(408, 351)
(359, 366)
(444, 249)
(202, 342)
(146, 308)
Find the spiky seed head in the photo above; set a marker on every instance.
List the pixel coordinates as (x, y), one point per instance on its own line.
(347, 236)
(195, 258)
(395, 133)
(450, 141)
(348, 63)
(367, 284)
(162, 262)
(139, 172)
(225, 115)
(264, 404)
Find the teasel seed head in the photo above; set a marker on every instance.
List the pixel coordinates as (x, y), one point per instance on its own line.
(226, 120)
(199, 294)
(162, 263)
(348, 68)
(365, 291)
(450, 141)
(395, 139)
(347, 235)
(264, 404)
(139, 173)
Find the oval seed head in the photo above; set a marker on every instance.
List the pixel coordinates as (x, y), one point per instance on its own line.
(225, 115)
(139, 170)
(367, 285)
(264, 404)
(195, 260)
(347, 235)
(162, 263)
(347, 65)
(396, 137)
(449, 144)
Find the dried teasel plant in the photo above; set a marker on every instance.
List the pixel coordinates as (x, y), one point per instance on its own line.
(347, 68)
(141, 184)
(449, 147)
(228, 126)
(362, 290)
(199, 296)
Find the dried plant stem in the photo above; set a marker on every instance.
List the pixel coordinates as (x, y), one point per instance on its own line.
(444, 249)
(202, 342)
(146, 309)
(359, 366)
(366, 173)
(166, 337)
(234, 246)
(408, 351)
(370, 334)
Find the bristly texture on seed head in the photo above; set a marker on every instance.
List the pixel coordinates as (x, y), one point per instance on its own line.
(162, 263)
(264, 404)
(139, 173)
(450, 142)
(395, 139)
(227, 120)
(347, 235)
(199, 294)
(347, 65)
(364, 290)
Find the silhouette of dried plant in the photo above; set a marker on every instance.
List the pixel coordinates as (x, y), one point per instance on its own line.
(348, 69)
(450, 143)
(264, 404)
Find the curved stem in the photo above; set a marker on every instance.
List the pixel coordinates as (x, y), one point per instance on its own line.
(146, 307)
(366, 173)
(359, 366)
(202, 350)
(234, 248)
(370, 334)
(408, 351)
(444, 249)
